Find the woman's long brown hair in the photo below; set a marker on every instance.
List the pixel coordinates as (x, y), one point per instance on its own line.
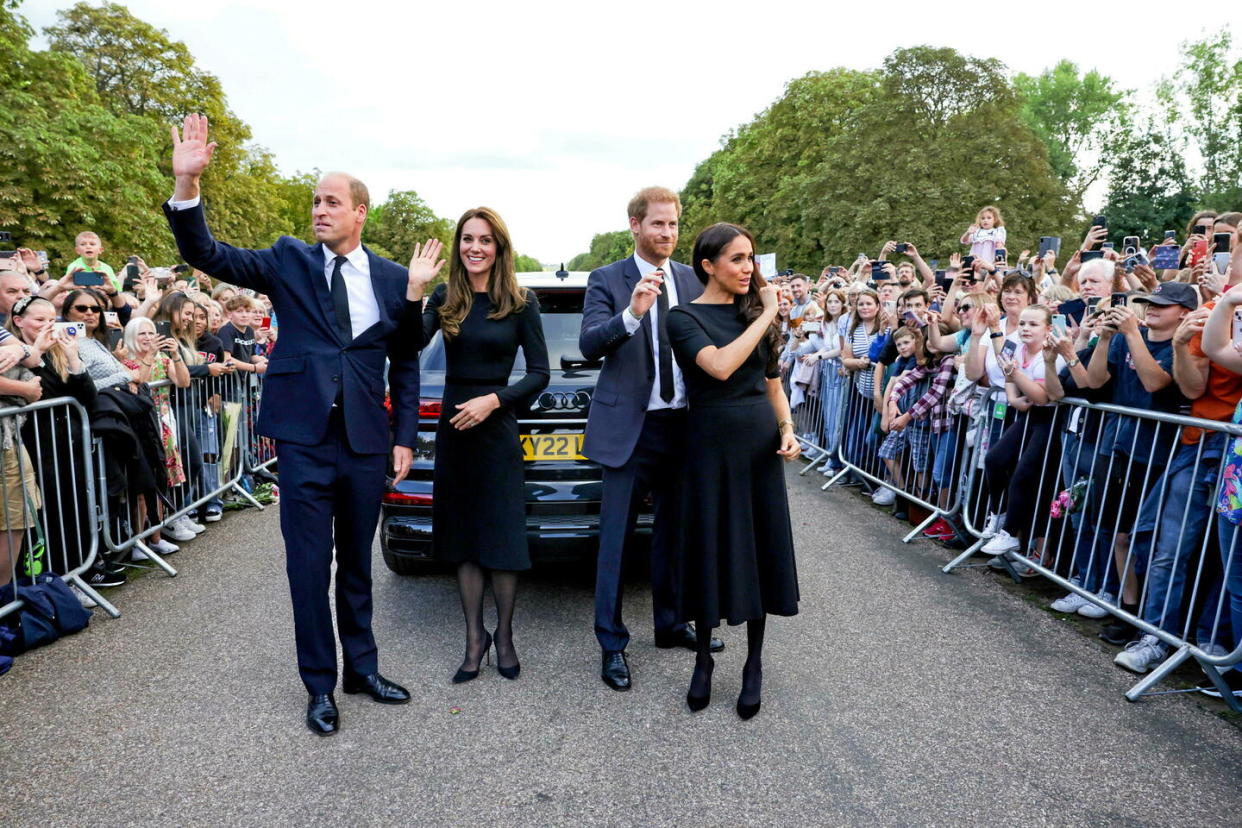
(709, 245)
(506, 295)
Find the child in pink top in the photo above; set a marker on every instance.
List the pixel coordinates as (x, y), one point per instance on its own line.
(986, 235)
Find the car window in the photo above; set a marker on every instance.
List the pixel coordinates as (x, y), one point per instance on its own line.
(561, 312)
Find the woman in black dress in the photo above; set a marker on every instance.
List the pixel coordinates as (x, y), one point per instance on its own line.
(737, 546)
(479, 510)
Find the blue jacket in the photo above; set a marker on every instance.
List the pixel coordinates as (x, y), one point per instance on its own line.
(619, 405)
(312, 362)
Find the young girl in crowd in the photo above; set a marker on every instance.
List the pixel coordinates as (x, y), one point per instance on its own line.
(986, 235)
(862, 331)
(832, 375)
(1019, 463)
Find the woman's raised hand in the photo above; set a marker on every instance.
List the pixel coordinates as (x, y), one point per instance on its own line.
(425, 264)
(770, 296)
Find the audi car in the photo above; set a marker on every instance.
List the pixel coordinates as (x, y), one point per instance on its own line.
(563, 488)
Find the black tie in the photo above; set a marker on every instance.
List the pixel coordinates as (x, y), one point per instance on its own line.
(340, 300)
(666, 353)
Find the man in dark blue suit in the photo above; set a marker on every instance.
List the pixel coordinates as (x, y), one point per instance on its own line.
(343, 312)
(636, 428)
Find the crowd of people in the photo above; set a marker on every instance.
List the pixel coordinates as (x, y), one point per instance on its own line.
(160, 359)
(908, 371)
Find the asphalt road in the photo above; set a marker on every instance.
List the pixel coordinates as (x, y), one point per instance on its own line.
(898, 696)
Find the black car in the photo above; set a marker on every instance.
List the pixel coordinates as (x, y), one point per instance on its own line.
(563, 488)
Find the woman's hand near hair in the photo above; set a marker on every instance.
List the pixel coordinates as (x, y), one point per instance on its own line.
(720, 363)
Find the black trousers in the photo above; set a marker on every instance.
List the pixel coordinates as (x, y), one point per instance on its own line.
(652, 469)
(330, 496)
(1023, 463)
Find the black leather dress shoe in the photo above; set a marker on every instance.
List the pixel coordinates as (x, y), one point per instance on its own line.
(685, 637)
(377, 687)
(616, 670)
(321, 715)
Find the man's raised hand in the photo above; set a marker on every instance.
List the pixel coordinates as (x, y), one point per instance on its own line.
(424, 265)
(646, 292)
(191, 155)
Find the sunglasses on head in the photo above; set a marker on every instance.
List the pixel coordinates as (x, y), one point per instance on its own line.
(86, 308)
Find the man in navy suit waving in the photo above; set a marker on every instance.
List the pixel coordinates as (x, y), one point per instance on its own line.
(343, 312)
(636, 428)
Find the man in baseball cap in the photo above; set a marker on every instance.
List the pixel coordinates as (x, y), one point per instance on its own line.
(1171, 293)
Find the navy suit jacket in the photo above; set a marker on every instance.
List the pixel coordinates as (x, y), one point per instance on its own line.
(312, 361)
(619, 405)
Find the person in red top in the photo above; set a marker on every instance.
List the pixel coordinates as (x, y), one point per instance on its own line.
(1176, 512)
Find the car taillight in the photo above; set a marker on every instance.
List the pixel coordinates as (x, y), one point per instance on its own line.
(403, 499)
(429, 409)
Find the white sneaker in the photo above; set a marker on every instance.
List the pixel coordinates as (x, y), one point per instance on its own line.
(992, 524)
(884, 496)
(1140, 656)
(1090, 610)
(161, 547)
(1001, 543)
(178, 532)
(1070, 603)
(212, 516)
(188, 523)
(83, 599)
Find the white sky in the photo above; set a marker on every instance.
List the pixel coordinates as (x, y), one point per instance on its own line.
(554, 113)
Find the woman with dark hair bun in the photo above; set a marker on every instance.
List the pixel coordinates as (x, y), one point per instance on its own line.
(737, 546)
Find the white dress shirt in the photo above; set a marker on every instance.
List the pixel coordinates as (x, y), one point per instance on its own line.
(363, 306)
(632, 323)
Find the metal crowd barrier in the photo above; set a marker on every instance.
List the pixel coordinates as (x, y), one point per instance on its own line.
(1107, 518)
(212, 413)
(48, 504)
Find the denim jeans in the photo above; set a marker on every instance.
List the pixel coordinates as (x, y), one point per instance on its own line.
(1181, 502)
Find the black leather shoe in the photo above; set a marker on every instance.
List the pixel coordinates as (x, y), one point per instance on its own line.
(616, 670)
(685, 637)
(377, 687)
(321, 716)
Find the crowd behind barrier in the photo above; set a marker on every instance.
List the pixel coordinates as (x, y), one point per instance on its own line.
(127, 406)
(1080, 426)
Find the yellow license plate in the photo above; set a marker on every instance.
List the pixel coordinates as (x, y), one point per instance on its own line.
(552, 447)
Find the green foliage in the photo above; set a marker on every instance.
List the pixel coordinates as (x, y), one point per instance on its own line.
(526, 264)
(605, 248)
(1080, 118)
(1151, 190)
(1205, 98)
(402, 221)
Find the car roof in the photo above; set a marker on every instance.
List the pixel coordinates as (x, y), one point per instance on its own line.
(549, 279)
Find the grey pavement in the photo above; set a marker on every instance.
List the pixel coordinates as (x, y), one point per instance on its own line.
(899, 695)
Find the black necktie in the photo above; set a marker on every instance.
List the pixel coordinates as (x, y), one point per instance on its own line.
(666, 353)
(340, 300)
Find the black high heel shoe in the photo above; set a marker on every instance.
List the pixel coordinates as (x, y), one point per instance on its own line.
(510, 673)
(748, 710)
(697, 703)
(462, 676)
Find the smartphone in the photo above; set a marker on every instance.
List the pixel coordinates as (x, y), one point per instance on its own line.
(1166, 257)
(1090, 255)
(111, 318)
(42, 254)
(1073, 309)
(912, 318)
(933, 263)
(181, 268)
(1092, 302)
(1059, 325)
(968, 262)
(1130, 244)
(935, 306)
(1009, 349)
(1047, 243)
(114, 338)
(890, 306)
(71, 329)
(88, 278)
(901, 247)
(1222, 241)
(7, 254)
(1109, 245)
(878, 273)
(834, 269)
(1118, 300)
(1001, 254)
(163, 329)
(1199, 230)
(1198, 250)
(943, 281)
(1099, 221)
(1221, 262)
(267, 322)
(1170, 234)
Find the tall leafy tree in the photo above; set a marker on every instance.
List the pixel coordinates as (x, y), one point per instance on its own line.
(1150, 188)
(605, 248)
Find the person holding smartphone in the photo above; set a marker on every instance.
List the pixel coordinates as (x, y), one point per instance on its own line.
(1022, 458)
(89, 248)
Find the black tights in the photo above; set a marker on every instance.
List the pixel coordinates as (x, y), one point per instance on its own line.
(752, 671)
(471, 580)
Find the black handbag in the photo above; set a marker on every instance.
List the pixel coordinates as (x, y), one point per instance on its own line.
(49, 611)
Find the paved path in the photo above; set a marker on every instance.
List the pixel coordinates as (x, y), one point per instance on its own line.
(898, 696)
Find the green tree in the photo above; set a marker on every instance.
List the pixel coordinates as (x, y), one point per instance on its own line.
(1205, 99)
(1150, 188)
(605, 248)
(526, 264)
(402, 221)
(1081, 118)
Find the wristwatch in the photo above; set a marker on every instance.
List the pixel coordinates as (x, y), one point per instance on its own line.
(996, 335)
(25, 351)
(1073, 362)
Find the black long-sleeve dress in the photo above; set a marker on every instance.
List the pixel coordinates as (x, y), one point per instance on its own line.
(479, 510)
(737, 556)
